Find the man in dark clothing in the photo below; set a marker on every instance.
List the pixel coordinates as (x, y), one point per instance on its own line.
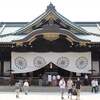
(78, 86)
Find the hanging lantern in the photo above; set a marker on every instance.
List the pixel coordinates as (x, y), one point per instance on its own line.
(50, 65)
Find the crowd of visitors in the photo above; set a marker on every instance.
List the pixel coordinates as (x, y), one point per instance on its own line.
(73, 86)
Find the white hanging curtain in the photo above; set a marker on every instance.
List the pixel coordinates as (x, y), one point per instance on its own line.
(79, 62)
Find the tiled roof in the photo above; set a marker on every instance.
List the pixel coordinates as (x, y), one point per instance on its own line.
(9, 31)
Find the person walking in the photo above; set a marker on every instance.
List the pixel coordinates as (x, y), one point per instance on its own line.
(17, 89)
(93, 84)
(26, 87)
(62, 85)
(69, 87)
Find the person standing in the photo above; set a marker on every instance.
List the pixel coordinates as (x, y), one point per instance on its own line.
(49, 79)
(93, 84)
(26, 87)
(69, 87)
(21, 85)
(86, 81)
(97, 85)
(78, 86)
(54, 80)
(58, 79)
(62, 85)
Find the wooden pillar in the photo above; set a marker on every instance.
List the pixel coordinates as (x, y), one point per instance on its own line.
(2, 67)
(11, 79)
(99, 68)
(92, 69)
(11, 82)
(91, 65)
(30, 78)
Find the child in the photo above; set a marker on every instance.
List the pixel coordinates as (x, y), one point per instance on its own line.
(74, 92)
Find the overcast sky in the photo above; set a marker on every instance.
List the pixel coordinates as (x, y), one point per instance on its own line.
(27, 10)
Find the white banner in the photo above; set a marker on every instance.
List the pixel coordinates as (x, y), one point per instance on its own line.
(79, 62)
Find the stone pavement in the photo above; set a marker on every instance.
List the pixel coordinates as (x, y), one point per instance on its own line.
(46, 96)
(45, 93)
(41, 89)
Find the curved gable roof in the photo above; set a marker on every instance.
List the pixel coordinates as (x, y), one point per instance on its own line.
(51, 14)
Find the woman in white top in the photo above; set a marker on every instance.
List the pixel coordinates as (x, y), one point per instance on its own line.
(26, 87)
(62, 85)
(93, 84)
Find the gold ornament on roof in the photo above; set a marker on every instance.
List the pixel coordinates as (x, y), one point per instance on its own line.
(50, 36)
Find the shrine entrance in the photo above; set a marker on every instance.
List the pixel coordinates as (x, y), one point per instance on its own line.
(42, 74)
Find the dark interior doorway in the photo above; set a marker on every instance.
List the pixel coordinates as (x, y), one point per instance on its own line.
(55, 70)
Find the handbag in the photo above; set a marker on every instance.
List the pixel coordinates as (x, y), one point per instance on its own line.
(74, 92)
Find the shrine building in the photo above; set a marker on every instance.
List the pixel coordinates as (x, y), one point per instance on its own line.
(49, 45)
